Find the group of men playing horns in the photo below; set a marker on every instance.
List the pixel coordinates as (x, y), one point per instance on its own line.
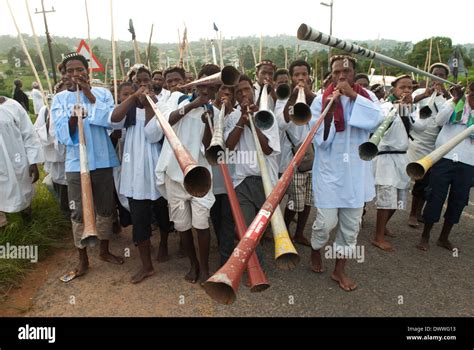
(145, 188)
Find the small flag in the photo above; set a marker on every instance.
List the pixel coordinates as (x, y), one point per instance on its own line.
(215, 27)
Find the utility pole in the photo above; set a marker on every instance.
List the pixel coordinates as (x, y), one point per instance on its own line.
(48, 39)
(330, 5)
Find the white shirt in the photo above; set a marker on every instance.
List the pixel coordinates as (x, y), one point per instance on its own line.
(189, 130)
(423, 142)
(257, 88)
(390, 169)
(54, 152)
(464, 151)
(163, 96)
(297, 134)
(37, 97)
(140, 157)
(19, 148)
(246, 163)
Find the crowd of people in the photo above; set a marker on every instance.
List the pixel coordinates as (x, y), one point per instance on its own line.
(137, 180)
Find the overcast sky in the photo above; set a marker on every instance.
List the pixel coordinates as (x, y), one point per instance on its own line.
(404, 20)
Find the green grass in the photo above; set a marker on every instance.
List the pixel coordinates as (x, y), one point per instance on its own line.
(47, 229)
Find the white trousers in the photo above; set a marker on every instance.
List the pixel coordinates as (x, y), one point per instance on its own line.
(347, 231)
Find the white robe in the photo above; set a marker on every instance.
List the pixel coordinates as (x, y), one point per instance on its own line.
(340, 178)
(19, 148)
(189, 130)
(390, 169)
(54, 152)
(140, 157)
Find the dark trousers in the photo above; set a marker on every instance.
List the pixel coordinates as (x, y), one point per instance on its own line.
(141, 212)
(251, 197)
(455, 177)
(162, 215)
(223, 223)
(420, 186)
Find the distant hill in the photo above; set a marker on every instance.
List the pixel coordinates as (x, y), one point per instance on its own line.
(233, 43)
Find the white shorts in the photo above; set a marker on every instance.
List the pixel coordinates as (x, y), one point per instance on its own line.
(389, 197)
(185, 210)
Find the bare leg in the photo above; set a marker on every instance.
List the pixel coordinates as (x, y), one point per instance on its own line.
(302, 220)
(83, 265)
(188, 246)
(204, 242)
(106, 255)
(383, 215)
(425, 237)
(419, 210)
(414, 212)
(443, 237)
(146, 270)
(163, 248)
(340, 276)
(316, 261)
(288, 217)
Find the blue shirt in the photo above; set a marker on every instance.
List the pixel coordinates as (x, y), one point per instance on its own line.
(340, 178)
(100, 152)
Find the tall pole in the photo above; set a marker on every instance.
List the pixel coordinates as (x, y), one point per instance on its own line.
(48, 39)
(330, 5)
(38, 48)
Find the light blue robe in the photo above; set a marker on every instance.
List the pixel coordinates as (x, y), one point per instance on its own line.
(340, 178)
(100, 151)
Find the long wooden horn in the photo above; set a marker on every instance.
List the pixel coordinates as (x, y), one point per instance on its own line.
(224, 284)
(89, 235)
(264, 118)
(257, 279)
(286, 255)
(417, 170)
(197, 179)
(307, 33)
(228, 76)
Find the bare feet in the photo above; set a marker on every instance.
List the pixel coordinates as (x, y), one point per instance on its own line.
(384, 245)
(446, 244)
(424, 244)
(389, 233)
(141, 275)
(113, 259)
(162, 254)
(79, 271)
(203, 277)
(193, 275)
(413, 222)
(344, 282)
(301, 239)
(317, 262)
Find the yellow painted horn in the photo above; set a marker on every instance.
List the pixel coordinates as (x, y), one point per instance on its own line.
(417, 170)
(286, 256)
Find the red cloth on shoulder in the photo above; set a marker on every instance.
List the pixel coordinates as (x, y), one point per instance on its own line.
(339, 111)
